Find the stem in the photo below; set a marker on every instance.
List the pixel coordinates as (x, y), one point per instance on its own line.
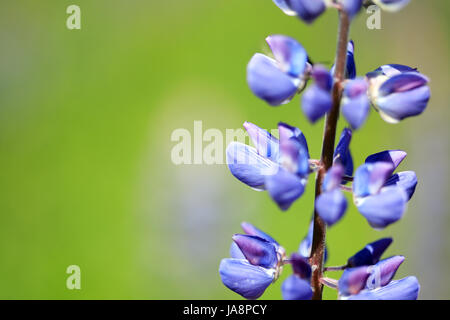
(338, 268)
(318, 245)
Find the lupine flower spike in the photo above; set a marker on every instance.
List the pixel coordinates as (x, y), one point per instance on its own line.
(282, 165)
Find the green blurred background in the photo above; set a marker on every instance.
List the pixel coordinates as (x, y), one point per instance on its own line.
(86, 118)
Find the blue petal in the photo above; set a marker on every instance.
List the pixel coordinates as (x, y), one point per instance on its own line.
(392, 69)
(407, 180)
(384, 208)
(287, 132)
(294, 157)
(370, 178)
(394, 157)
(268, 82)
(333, 178)
(316, 102)
(307, 10)
(342, 153)
(247, 165)
(370, 254)
(351, 66)
(404, 289)
(383, 272)
(350, 71)
(300, 266)
(353, 280)
(295, 288)
(331, 206)
(235, 252)
(289, 53)
(356, 110)
(391, 5)
(398, 106)
(245, 279)
(284, 187)
(253, 231)
(401, 83)
(322, 77)
(266, 144)
(257, 251)
(284, 6)
(352, 7)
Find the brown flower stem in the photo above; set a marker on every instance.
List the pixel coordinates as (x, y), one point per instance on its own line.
(318, 244)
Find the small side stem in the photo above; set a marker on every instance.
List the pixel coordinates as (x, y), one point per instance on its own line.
(338, 268)
(318, 245)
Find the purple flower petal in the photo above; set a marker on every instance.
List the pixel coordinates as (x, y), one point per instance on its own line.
(404, 289)
(322, 77)
(331, 206)
(284, 187)
(333, 178)
(248, 166)
(370, 254)
(287, 132)
(268, 82)
(398, 106)
(352, 7)
(384, 208)
(342, 153)
(266, 144)
(316, 102)
(407, 180)
(284, 6)
(402, 82)
(300, 266)
(294, 157)
(355, 103)
(235, 252)
(394, 157)
(245, 279)
(307, 10)
(289, 54)
(295, 288)
(253, 231)
(257, 251)
(353, 280)
(383, 272)
(370, 178)
(350, 71)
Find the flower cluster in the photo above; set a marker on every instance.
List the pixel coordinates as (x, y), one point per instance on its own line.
(281, 166)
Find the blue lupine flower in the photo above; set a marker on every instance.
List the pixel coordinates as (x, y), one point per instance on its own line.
(244, 278)
(352, 7)
(370, 254)
(298, 285)
(254, 264)
(407, 180)
(374, 282)
(296, 288)
(307, 10)
(380, 196)
(405, 289)
(331, 203)
(391, 5)
(342, 154)
(350, 71)
(353, 280)
(355, 103)
(280, 167)
(277, 80)
(398, 92)
(317, 100)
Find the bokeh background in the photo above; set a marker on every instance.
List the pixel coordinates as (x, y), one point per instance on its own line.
(86, 118)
